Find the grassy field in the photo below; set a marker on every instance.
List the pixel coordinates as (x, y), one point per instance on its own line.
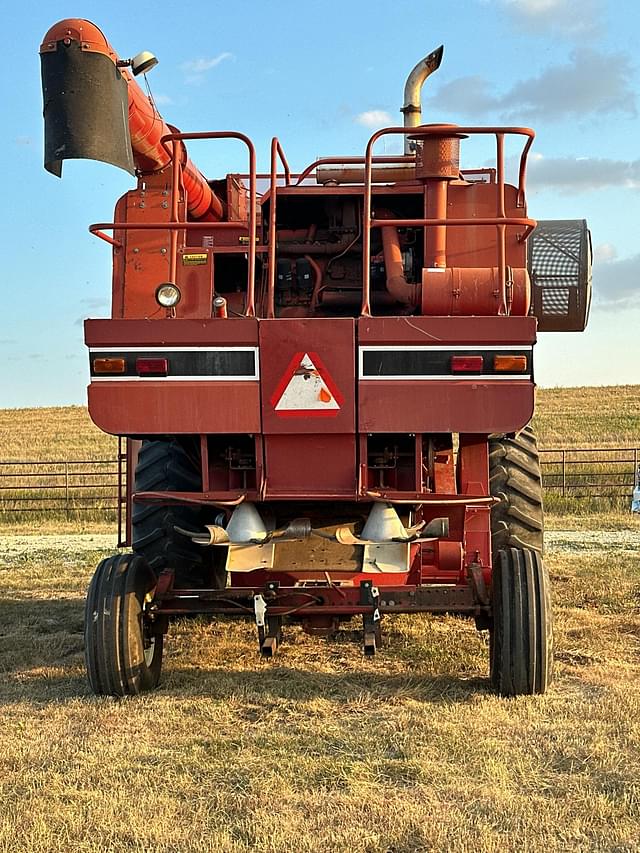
(321, 749)
(64, 432)
(588, 417)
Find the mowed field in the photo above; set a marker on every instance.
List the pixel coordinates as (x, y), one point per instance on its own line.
(321, 749)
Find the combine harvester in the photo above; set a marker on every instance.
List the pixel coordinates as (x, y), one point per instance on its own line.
(323, 391)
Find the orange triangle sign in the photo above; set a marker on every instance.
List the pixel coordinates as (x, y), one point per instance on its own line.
(306, 389)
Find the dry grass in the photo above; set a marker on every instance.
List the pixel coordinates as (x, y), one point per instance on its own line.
(588, 417)
(62, 432)
(321, 749)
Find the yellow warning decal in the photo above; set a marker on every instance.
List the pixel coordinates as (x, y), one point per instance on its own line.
(195, 258)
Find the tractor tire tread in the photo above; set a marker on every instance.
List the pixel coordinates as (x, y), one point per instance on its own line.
(514, 478)
(166, 466)
(522, 632)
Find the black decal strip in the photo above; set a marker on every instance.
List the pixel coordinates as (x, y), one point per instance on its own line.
(238, 364)
(433, 362)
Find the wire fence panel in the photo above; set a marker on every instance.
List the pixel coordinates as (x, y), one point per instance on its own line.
(90, 486)
(64, 486)
(605, 473)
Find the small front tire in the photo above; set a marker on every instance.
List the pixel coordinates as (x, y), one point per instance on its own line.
(521, 635)
(123, 653)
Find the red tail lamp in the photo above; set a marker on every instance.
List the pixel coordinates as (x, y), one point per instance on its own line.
(152, 366)
(467, 363)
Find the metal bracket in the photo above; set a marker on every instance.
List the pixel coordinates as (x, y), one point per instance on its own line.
(273, 637)
(476, 576)
(165, 582)
(269, 628)
(372, 634)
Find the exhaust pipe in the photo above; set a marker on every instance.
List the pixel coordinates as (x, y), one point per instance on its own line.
(397, 285)
(412, 108)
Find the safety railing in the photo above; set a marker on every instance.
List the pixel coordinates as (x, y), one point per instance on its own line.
(172, 143)
(501, 221)
(276, 152)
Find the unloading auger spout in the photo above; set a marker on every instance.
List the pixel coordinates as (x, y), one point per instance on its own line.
(94, 109)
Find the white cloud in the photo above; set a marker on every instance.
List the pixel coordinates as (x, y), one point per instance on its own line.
(374, 118)
(162, 100)
(572, 18)
(582, 174)
(616, 283)
(196, 69)
(591, 82)
(201, 66)
(604, 252)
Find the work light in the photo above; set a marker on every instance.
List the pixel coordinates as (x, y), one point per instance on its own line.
(168, 295)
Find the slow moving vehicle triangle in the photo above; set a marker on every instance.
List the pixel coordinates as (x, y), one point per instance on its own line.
(306, 389)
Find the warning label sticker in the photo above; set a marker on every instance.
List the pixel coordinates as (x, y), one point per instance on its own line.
(306, 389)
(194, 259)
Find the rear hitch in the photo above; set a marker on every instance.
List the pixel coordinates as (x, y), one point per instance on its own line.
(269, 627)
(372, 634)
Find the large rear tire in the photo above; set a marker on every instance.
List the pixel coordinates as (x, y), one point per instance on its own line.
(521, 635)
(174, 466)
(517, 521)
(123, 653)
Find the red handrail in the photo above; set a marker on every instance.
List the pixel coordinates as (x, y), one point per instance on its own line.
(500, 220)
(175, 224)
(276, 151)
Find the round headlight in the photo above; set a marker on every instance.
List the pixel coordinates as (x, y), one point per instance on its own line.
(168, 295)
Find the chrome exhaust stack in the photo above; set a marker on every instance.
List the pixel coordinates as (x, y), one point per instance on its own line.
(412, 108)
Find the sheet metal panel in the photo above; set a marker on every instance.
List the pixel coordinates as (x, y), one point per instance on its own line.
(330, 344)
(471, 406)
(159, 407)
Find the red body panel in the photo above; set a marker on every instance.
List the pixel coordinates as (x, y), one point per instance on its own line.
(447, 330)
(446, 406)
(333, 341)
(310, 466)
(159, 408)
(237, 331)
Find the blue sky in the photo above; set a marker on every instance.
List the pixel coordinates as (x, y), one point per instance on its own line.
(322, 76)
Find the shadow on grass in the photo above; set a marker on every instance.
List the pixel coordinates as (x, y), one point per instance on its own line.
(268, 682)
(42, 661)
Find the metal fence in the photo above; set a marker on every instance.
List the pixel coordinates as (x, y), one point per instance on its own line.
(85, 486)
(604, 473)
(77, 486)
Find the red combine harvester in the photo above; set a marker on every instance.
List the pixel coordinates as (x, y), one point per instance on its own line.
(324, 388)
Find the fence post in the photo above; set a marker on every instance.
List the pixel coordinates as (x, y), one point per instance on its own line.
(564, 474)
(66, 487)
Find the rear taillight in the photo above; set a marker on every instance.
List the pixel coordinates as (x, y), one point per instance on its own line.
(109, 365)
(152, 366)
(466, 363)
(510, 363)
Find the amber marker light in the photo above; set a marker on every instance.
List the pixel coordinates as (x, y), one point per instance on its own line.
(109, 365)
(467, 363)
(510, 363)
